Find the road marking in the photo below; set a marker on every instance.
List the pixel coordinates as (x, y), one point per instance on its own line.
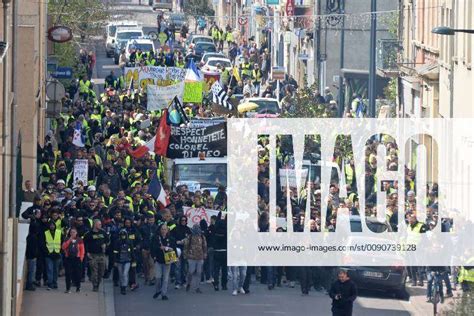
(110, 67)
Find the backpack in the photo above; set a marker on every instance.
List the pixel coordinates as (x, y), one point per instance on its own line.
(73, 249)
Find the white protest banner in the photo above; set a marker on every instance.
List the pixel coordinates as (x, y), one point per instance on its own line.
(160, 97)
(153, 75)
(291, 174)
(195, 215)
(81, 167)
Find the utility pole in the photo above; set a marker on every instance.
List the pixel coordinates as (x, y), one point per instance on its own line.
(372, 68)
(341, 60)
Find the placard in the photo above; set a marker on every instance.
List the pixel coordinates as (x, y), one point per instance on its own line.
(81, 167)
(188, 142)
(153, 75)
(160, 97)
(193, 92)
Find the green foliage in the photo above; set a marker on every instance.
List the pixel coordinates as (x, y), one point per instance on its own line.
(198, 8)
(84, 17)
(303, 104)
(391, 90)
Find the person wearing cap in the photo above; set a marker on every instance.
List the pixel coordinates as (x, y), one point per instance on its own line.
(328, 97)
(91, 192)
(195, 252)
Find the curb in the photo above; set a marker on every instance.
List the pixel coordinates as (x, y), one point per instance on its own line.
(107, 300)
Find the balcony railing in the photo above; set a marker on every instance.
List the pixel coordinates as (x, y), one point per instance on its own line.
(387, 54)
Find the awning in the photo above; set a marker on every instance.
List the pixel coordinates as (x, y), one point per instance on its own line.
(430, 71)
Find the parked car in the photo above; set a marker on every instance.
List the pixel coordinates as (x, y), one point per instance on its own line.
(206, 56)
(162, 4)
(211, 64)
(177, 18)
(196, 38)
(390, 279)
(203, 47)
(266, 106)
(111, 33)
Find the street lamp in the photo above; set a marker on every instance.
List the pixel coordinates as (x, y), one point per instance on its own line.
(445, 30)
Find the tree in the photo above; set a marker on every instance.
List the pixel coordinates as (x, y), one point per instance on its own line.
(198, 8)
(304, 104)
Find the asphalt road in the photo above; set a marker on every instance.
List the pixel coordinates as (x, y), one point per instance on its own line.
(261, 301)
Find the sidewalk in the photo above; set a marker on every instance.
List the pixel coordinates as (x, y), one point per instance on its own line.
(418, 300)
(55, 302)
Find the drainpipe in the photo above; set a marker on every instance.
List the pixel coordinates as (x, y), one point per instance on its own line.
(5, 176)
(14, 150)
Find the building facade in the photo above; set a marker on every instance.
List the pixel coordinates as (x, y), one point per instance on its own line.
(22, 112)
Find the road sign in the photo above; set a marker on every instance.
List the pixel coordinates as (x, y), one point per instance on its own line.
(55, 90)
(62, 73)
(278, 73)
(290, 7)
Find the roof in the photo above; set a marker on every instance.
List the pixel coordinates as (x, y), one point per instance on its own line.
(129, 29)
(430, 71)
(123, 23)
(218, 58)
(141, 41)
(208, 160)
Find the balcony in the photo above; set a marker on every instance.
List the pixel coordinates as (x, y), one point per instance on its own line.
(387, 57)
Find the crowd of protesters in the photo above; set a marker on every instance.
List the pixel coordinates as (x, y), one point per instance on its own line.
(112, 226)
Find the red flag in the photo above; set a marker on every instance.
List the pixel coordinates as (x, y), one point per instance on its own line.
(163, 133)
(140, 151)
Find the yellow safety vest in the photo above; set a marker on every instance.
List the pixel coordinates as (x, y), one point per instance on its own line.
(414, 235)
(246, 69)
(229, 37)
(53, 245)
(84, 86)
(48, 170)
(256, 76)
(467, 274)
(349, 173)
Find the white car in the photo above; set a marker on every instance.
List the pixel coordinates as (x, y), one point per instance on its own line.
(111, 31)
(128, 33)
(206, 56)
(211, 64)
(145, 45)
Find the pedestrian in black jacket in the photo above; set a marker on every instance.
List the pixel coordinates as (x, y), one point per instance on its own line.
(162, 243)
(220, 253)
(32, 252)
(343, 293)
(180, 233)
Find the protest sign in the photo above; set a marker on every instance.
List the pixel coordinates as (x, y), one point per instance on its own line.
(153, 75)
(205, 122)
(160, 97)
(81, 167)
(146, 123)
(193, 92)
(195, 215)
(291, 174)
(188, 142)
(209, 79)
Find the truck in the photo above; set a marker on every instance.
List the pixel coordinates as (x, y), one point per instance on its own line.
(197, 174)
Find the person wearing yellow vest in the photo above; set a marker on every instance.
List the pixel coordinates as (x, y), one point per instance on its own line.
(84, 88)
(46, 170)
(246, 71)
(229, 37)
(256, 78)
(466, 275)
(52, 249)
(414, 229)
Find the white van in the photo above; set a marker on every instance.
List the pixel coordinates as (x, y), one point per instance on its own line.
(111, 33)
(145, 45)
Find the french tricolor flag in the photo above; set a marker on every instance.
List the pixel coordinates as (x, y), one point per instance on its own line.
(156, 190)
